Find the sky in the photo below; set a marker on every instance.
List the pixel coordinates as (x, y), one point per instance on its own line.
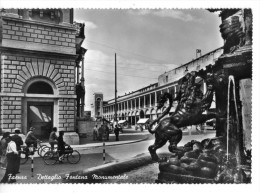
(147, 43)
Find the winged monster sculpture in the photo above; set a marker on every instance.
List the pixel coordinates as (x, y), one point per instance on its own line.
(189, 111)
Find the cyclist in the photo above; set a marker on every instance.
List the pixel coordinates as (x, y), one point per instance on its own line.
(31, 139)
(61, 146)
(53, 139)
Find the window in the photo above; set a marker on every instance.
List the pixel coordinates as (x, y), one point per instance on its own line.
(40, 88)
(137, 102)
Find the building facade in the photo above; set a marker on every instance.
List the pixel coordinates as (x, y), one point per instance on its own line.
(98, 105)
(38, 51)
(142, 103)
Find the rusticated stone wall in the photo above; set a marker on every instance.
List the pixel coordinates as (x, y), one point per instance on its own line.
(34, 51)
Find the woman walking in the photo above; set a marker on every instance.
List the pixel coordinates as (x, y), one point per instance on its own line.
(12, 161)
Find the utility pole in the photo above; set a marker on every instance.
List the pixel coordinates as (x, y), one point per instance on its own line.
(115, 92)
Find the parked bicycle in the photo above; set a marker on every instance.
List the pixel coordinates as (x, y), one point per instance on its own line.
(52, 156)
(26, 151)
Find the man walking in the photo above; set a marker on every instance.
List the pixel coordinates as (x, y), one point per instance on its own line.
(116, 131)
(18, 141)
(95, 133)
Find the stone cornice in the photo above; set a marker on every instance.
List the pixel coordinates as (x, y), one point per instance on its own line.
(35, 22)
(31, 53)
(36, 95)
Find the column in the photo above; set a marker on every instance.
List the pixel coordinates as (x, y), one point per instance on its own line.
(155, 99)
(150, 100)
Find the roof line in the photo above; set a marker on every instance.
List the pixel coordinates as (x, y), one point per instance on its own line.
(172, 70)
(198, 58)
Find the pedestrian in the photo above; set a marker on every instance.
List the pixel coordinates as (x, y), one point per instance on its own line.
(53, 139)
(100, 133)
(12, 161)
(198, 128)
(107, 132)
(3, 150)
(30, 138)
(95, 133)
(18, 141)
(61, 146)
(116, 131)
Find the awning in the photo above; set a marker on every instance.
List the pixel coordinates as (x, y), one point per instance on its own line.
(143, 120)
(121, 121)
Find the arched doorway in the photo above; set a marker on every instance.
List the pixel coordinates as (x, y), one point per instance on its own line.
(141, 114)
(147, 114)
(133, 118)
(129, 118)
(39, 106)
(153, 114)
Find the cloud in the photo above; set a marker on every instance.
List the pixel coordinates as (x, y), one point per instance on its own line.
(175, 14)
(90, 25)
(133, 74)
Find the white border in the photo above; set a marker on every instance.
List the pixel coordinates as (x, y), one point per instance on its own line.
(254, 4)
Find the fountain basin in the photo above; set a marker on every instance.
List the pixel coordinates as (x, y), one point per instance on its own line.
(138, 169)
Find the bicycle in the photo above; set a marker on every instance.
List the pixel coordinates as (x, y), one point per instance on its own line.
(46, 149)
(25, 152)
(40, 147)
(51, 157)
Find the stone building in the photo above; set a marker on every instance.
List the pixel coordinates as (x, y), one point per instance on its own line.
(39, 49)
(142, 102)
(98, 105)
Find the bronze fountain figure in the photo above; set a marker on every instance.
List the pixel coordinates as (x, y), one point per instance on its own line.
(189, 111)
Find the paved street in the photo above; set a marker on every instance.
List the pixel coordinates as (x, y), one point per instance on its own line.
(91, 156)
(131, 150)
